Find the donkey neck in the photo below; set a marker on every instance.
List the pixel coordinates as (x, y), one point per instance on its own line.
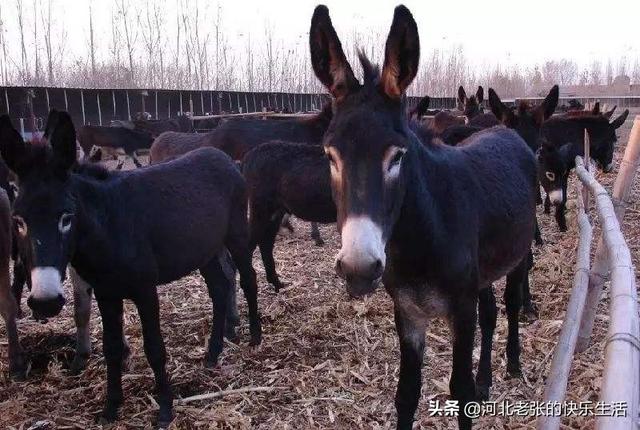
(94, 232)
(419, 229)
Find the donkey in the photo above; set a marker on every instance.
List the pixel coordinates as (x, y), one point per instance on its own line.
(439, 224)
(66, 214)
(131, 141)
(563, 140)
(238, 137)
(472, 109)
(285, 178)
(527, 120)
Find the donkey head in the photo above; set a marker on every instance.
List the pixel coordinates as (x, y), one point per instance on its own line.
(44, 211)
(552, 170)
(470, 106)
(525, 120)
(366, 142)
(603, 139)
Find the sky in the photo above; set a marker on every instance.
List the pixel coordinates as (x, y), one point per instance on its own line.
(490, 31)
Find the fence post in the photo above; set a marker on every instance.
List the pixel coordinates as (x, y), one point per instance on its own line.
(558, 375)
(599, 270)
(84, 120)
(99, 108)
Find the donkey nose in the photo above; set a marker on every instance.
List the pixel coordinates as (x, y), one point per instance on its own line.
(369, 268)
(46, 308)
(555, 197)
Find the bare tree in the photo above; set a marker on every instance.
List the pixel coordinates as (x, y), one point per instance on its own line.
(4, 65)
(609, 73)
(595, 73)
(25, 74)
(130, 35)
(92, 45)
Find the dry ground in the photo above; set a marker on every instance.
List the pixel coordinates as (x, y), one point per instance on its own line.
(331, 362)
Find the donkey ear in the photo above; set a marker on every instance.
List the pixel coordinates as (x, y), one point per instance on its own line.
(497, 107)
(327, 57)
(401, 55)
(52, 120)
(13, 149)
(480, 94)
(462, 96)
(621, 119)
(548, 106)
(423, 106)
(609, 114)
(63, 141)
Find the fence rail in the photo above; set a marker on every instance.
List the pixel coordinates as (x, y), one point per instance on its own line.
(621, 379)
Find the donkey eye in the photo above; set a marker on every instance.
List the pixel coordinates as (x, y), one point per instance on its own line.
(21, 226)
(397, 158)
(550, 176)
(64, 225)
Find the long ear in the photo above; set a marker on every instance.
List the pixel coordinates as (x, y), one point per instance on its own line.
(462, 96)
(327, 57)
(480, 94)
(401, 55)
(621, 119)
(548, 106)
(423, 106)
(63, 141)
(497, 107)
(52, 120)
(609, 114)
(13, 149)
(596, 109)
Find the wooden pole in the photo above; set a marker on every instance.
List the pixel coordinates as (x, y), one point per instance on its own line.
(558, 376)
(599, 270)
(620, 381)
(587, 158)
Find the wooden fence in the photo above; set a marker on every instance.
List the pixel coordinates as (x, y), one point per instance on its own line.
(621, 379)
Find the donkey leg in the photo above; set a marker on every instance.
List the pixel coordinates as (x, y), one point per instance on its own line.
(17, 286)
(218, 286)
(266, 250)
(461, 384)
(113, 346)
(488, 314)
(149, 311)
(411, 337)
(134, 156)
(560, 217)
(315, 234)
(538, 234)
(513, 301)
(232, 318)
(237, 242)
(547, 204)
(9, 311)
(286, 223)
(529, 308)
(82, 315)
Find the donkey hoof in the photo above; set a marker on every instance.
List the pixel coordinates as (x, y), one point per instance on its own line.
(18, 375)
(514, 371)
(108, 415)
(78, 365)
(164, 420)
(319, 242)
(231, 335)
(482, 392)
(256, 339)
(529, 313)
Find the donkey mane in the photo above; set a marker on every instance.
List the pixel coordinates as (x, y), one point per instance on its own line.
(370, 71)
